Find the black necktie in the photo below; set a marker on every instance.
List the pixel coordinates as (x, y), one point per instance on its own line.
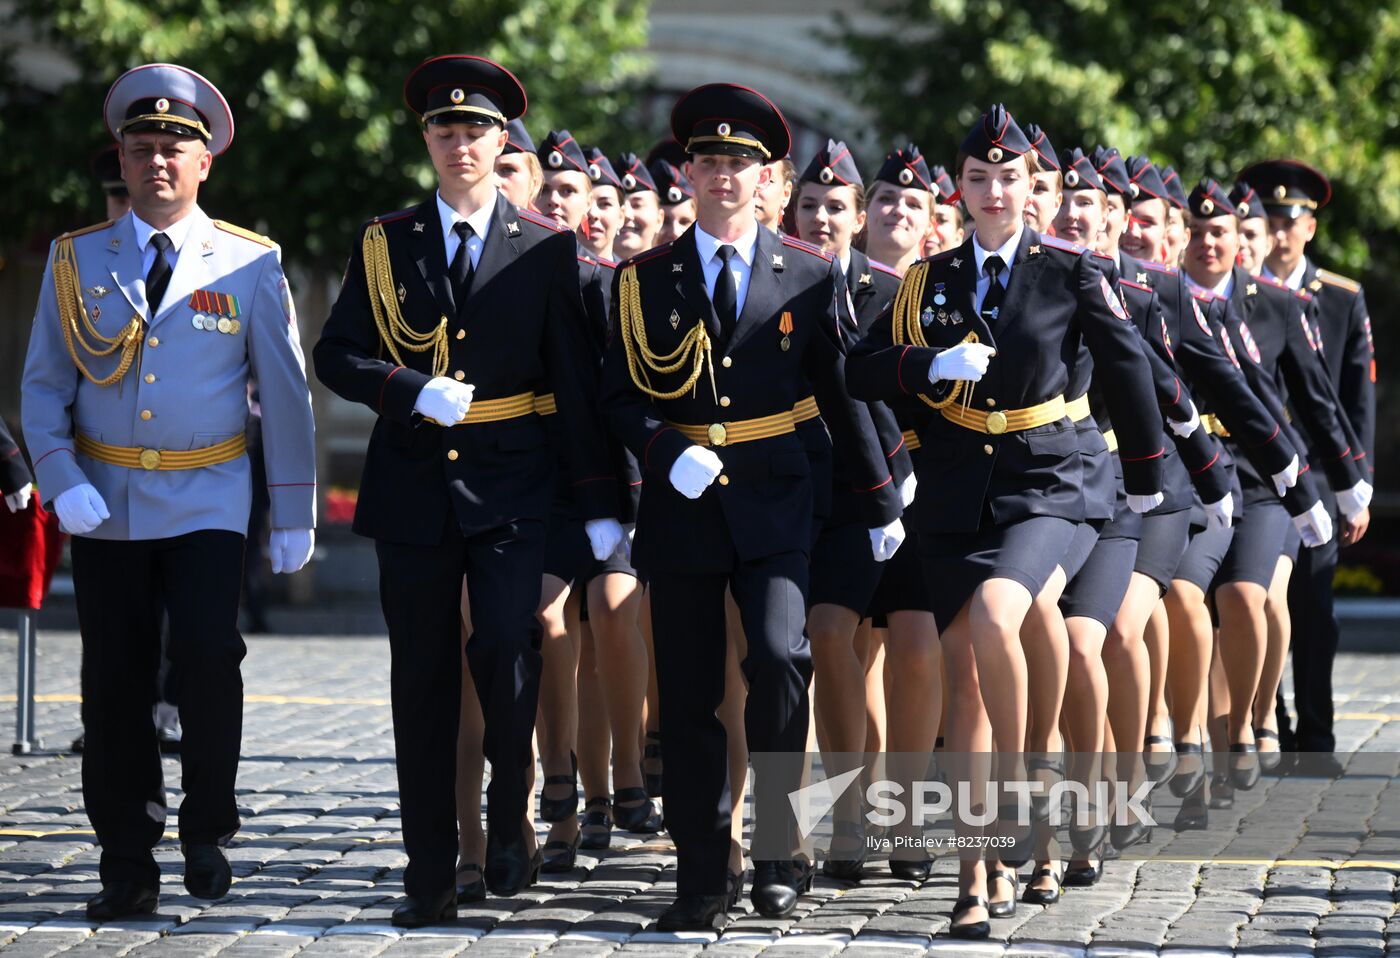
(996, 292)
(461, 270)
(726, 298)
(159, 276)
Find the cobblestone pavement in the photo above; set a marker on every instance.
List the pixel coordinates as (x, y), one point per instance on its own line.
(318, 863)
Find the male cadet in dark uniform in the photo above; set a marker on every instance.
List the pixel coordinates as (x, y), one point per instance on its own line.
(135, 402)
(1341, 327)
(461, 293)
(714, 335)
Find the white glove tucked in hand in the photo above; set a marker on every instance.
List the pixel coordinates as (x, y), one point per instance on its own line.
(444, 400)
(1220, 514)
(694, 470)
(1145, 504)
(964, 361)
(907, 489)
(80, 509)
(1184, 429)
(604, 536)
(18, 501)
(885, 540)
(1352, 501)
(290, 549)
(1315, 526)
(1283, 481)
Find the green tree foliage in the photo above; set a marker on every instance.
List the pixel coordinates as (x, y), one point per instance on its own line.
(323, 139)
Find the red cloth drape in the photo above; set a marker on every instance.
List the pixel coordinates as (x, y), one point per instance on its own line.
(30, 547)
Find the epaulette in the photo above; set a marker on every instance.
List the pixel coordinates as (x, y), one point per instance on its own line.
(794, 243)
(1342, 282)
(87, 229)
(1157, 267)
(609, 263)
(946, 254)
(249, 235)
(530, 216)
(396, 215)
(1054, 242)
(645, 255)
(585, 258)
(1128, 282)
(1269, 281)
(1302, 294)
(887, 270)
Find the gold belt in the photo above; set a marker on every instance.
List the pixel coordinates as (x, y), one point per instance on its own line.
(1011, 420)
(1112, 440)
(496, 410)
(133, 457)
(911, 440)
(544, 404)
(745, 430)
(1078, 409)
(1214, 426)
(805, 409)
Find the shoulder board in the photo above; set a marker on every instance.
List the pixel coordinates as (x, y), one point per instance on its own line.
(1054, 242)
(1333, 279)
(608, 263)
(946, 254)
(1128, 282)
(1268, 281)
(1204, 295)
(258, 238)
(881, 267)
(87, 229)
(642, 257)
(1103, 256)
(794, 243)
(530, 216)
(582, 258)
(396, 215)
(1157, 267)
(1301, 294)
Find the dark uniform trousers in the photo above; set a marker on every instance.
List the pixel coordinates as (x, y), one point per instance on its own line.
(688, 621)
(420, 587)
(120, 588)
(1314, 646)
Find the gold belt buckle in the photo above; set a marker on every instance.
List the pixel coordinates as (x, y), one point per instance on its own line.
(996, 422)
(150, 459)
(717, 433)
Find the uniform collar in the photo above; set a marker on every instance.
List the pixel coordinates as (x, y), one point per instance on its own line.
(708, 246)
(1007, 252)
(1223, 289)
(480, 221)
(1295, 278)
(177, 231)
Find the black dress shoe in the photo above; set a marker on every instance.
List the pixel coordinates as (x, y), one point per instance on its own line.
(734, 883)
(693, 913)
(1193, 816)
(119, 899)
(1188, 779)
(1082, 876)
(1246, 776)
(1222, 793)
(1268, 761)
(970, 929)
(846, 858)
(207, 874)
(78, 743)
(641, 818)
(509, 870)
(470, 891)
(1044, 896)
(417, 912)
(1158, 766)
(559, 856)
(1003, 909)
(778, 884)
(554, 810)
(911, 869)
(1087, 838)
(651, 752)
(596, 830)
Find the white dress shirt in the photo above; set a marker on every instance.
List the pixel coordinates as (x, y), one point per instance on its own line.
(480, 222)
(741, 266)
(177, 232)
(1295, 278)
(1008, 256)
(1223, 289)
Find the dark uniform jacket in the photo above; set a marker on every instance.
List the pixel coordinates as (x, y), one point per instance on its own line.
(1057, 298)
(762, 505)
(520, 330)
(14, 471)
(1342, 325)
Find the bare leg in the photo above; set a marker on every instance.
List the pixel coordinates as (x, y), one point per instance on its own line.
(557, 728)
(1280, 634)
(1157, 640)
(1243, 634)
(1086, 701)
(968, 733)
(1125, 660)
(614, 603)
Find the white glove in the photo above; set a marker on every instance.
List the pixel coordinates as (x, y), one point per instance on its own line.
(694, 470)
(290, 549)
(604, 536)
(1184, 429)
(18, 501)
(1315, 526)
(1220, 514)
(1283, 481)
(80, 509)
(906, 490)
(964, 361)
(885, 540)
(1145, 504)
(444, 400)
(1351, 501)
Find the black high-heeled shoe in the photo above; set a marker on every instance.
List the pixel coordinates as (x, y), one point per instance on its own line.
(971, 929)
(1003, 909)
(596, 828)
(1082, 876)
(1159, 766)
(1188, 779)
(1268, 761)
(1244, 777)
(1222, 793)
(555, 810)
(651, 752)
(560, 856)
(639, 819)
(1193, 816)
(1044, 896)
(470, 891)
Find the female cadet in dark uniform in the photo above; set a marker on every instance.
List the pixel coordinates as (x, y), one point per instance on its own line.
(641, 215)
(947, 215)
(1000, 462)
(677, 200)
